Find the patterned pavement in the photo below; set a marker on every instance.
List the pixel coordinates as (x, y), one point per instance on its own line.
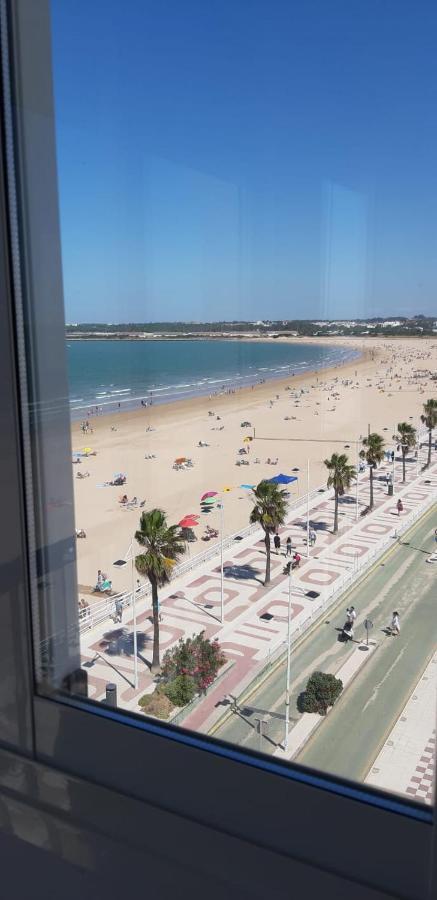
(192, 602)
(406, 762)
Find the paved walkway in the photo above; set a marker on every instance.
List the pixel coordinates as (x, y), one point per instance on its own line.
(406, 763)
(192, 603)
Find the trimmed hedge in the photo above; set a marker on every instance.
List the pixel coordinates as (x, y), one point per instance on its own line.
(321, 692)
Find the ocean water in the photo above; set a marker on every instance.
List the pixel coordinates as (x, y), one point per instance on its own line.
(120, 374)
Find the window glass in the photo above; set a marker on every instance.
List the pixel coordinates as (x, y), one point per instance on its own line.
(248, 229)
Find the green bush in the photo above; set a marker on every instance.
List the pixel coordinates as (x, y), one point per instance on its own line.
(156, 704)
(321, 692)
(180, 690)
(197, 657)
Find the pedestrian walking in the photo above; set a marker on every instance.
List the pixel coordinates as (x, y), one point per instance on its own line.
(392, 456)
(399, 506)
(277, 542)
(313, 537)
(395, 627)
(118, 609)
(288, 546)
(351, 615)
(296, 561)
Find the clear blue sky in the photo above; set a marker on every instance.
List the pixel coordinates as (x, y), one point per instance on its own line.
(239, 159)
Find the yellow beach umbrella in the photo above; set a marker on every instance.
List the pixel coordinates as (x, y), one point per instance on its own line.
(87, 450)
(247, 440)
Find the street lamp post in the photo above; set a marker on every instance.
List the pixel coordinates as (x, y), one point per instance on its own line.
(308, 507)
(120, 563)
(357, 467)
(287, 686)
(221, 560)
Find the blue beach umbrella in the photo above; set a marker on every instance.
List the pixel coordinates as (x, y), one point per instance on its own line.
(282, 479)
(247, 487)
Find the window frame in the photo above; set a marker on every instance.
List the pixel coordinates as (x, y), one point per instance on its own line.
(279, 806)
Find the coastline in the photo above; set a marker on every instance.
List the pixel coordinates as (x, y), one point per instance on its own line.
(324, 411)
(164, 395)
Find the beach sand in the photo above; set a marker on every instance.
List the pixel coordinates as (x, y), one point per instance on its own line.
(381, 391)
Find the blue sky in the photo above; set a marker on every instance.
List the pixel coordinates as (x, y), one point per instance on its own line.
(239, 159)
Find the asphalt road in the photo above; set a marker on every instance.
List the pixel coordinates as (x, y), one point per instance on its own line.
(349, 739)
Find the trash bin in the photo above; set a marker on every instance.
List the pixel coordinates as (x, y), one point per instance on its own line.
(390, 490)
(111, 695)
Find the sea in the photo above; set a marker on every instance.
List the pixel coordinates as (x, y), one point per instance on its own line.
(107, 375)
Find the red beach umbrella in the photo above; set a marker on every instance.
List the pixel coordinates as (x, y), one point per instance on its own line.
(208, 494)
(188, 522)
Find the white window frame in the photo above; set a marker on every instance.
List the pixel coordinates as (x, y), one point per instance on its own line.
(362, 835)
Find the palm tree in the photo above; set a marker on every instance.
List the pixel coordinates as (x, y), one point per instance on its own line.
(429, 418)
(373, 454)
(163, 546)
(341, 474)
(406, 437)
(269, 511)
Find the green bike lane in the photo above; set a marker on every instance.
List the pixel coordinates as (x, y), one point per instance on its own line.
(348, 740)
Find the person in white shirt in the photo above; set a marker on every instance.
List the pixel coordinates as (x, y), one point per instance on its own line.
(395, 624)
(351, 615)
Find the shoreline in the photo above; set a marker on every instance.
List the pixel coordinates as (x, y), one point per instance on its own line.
(143, 403)
(252, 394)
(296, 419)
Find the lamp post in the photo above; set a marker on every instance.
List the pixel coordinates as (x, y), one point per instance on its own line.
(308, 508)
(120, 563)
(222, 518)
(357, 466)
(287, 686)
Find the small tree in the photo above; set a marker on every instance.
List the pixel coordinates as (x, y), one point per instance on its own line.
(269, 511)
(429, 418)
(373, 453)
(341, 475)
(197, 657)
(406, 437)
(321, 692)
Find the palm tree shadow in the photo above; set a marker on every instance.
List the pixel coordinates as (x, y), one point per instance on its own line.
(242, 573)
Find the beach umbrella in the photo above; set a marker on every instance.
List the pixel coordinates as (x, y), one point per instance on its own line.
(226, 490)
(247, 487)
(87, 450)
(247, 440)
(188, 522)
(180, 459)
(208, 502)
(282, 479)
(208, 495)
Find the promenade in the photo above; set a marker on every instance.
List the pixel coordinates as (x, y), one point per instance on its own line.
(191, 603)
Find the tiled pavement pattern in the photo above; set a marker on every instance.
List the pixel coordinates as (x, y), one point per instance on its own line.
(190, 603)
(406, 763)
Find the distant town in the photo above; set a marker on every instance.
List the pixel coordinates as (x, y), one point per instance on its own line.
(399, 326)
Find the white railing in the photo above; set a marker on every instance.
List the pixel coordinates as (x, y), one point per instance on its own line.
(98, 612)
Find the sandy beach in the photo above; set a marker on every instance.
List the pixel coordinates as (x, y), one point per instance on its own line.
(294, 420)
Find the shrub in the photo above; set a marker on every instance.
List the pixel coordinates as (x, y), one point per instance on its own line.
(180, 690)
(156, 704)
(197, 657)
(322, 691)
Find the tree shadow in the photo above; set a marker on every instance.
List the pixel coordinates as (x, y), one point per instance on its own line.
(120, 642)
(241, 573)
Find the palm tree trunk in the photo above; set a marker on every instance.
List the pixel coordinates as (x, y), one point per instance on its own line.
(404, 453)
(336, 512)
(371, 487)
(156, 665)
(267, 543)
(429, 447)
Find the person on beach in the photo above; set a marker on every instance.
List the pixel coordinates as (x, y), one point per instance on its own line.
(288, 546)
(395, 628)
(277, 542)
